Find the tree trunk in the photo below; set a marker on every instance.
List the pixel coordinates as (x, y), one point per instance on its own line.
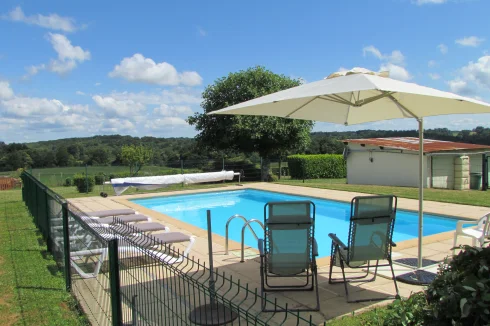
(266, 163)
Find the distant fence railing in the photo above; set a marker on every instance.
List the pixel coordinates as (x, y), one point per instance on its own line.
(251, 171)
(129, 280)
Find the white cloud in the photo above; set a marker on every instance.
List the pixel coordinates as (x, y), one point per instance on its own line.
(51, 21)
(79, 93)
(97, 84)
(117, 126)
(176, 95)
(140, 69)
(170, 110)
(392, 62)
(425, 2)
(166, 122)
(443, 48)
(6, 91)
(434, 76)
(478, 72)
(395, 57)
(32, 106)
(460, 87)
(431, 63)
(68, 57)
(396, 72)
(472, 41)
(119, 108)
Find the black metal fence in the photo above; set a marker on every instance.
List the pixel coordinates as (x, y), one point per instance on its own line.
(122, 277)
(250, 169)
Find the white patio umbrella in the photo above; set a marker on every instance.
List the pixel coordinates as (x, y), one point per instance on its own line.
(359, 96)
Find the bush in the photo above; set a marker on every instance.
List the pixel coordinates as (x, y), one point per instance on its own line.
(81, 182)
(99, 179)
(68, 182)
(411, 311)
(460, 294)
(330, 166)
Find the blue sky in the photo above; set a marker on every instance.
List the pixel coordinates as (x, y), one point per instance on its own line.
(83, 68)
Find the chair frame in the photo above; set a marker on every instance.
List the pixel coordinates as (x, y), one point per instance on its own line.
(338, 245)
(483, 222)
(309, 273)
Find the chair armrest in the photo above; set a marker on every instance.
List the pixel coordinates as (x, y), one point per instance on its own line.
(459, 225)
(261, 246)
(315, 247)
(393, 244)
(337, 241)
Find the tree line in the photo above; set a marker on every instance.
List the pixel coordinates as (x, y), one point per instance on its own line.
(106, 150)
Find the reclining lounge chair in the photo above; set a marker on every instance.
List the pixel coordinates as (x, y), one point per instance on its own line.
(372, 220)
(288, 249)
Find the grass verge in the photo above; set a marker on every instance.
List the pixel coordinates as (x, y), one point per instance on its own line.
(465, 197)
(32, 287)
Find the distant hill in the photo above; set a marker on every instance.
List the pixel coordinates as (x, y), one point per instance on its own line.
(105, 150)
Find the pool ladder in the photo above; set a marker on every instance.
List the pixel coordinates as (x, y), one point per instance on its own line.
(247, 224)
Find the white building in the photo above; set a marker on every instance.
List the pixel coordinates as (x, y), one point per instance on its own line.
(394, 162)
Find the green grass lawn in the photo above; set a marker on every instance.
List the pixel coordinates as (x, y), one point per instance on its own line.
(32, 289)
(465, 197)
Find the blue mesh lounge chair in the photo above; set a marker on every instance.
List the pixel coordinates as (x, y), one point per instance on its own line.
(372, 220)
(289, 248)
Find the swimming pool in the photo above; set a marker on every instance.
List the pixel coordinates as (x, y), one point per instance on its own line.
(331, 216)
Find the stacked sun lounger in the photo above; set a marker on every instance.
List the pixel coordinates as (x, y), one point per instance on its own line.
(129, 227)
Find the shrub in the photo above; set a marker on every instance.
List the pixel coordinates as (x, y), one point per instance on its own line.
(81, 182)
(68, 182)
(317, 166)
(411, 311)
(99, 179)
(460, 294)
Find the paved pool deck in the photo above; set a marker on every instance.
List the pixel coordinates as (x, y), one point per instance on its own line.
(332, 296)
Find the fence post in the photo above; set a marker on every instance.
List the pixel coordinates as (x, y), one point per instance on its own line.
(280, 163)
(66, 246)
(86, 178)
(115, 283)
(182, 167)
(484, 180)
(48, 220)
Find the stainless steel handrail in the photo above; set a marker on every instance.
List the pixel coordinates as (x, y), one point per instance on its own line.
(243, 235)
(227, 225)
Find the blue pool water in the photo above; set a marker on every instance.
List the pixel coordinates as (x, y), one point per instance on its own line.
(331, 216)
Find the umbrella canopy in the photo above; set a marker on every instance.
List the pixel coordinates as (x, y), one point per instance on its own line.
(359, 96)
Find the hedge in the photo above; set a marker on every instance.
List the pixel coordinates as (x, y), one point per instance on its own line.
(330, 166)
(81, 182)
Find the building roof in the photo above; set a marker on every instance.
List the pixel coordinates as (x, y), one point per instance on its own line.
(412, 144)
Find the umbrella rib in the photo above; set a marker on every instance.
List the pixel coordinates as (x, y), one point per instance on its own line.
(335, 98)
(302, 106)
(402, 107)
(373, 98)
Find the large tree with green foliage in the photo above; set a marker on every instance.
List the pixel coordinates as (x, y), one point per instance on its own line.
(269, 136)
(135, 157)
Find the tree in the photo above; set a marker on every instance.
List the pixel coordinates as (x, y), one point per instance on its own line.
(135, 157)
(17, 159)
(62, 156)
(269, 136)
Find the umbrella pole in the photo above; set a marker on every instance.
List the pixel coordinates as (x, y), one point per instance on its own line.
(421, 190)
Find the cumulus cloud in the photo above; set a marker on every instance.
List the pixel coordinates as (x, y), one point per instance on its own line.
(51, 21)
(145, 70)
(461, 87)
(165, 123)
(443, 48)
(392, 62)
(428, 2)
(395, 57)
(32, 106)
(472, 78)
(471, 41)
(176, 95)
(6, 91)
(115, 125)
(170, 110)
(79, 93)
(396, 72)
(69, 56)
(119, 108)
